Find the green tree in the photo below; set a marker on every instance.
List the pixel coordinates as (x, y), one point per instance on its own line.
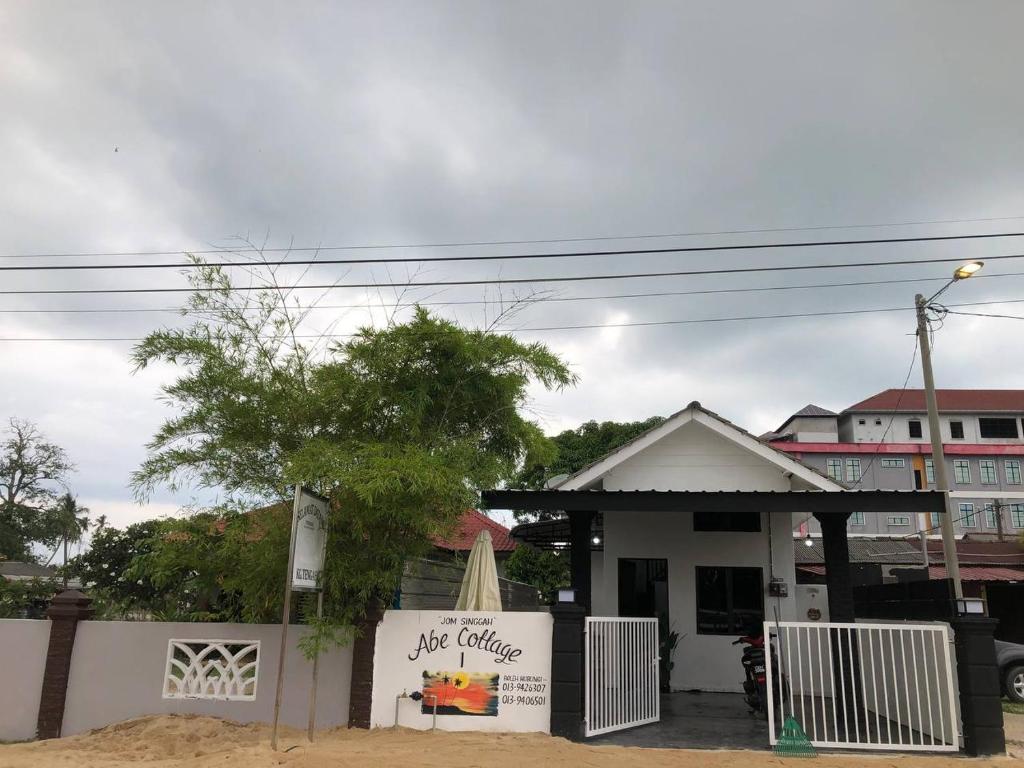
(575, 449)
(32, 473)
(547, 571)
(107, 571)
(398, 426)
(72, 521)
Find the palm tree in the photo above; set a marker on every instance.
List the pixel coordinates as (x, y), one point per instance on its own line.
(73, 522)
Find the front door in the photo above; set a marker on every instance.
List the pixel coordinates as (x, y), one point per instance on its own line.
(643, 594)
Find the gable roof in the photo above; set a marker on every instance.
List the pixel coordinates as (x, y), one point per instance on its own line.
(722, 426)
(469, 527)
(949, 400)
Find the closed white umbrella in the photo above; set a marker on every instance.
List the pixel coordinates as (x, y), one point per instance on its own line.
(480, 583)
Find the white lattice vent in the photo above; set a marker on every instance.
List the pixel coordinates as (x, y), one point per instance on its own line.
(212, 669)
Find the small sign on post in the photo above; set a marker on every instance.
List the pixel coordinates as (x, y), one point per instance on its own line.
(306, 548)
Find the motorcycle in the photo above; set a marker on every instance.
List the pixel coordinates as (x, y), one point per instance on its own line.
(755, 686)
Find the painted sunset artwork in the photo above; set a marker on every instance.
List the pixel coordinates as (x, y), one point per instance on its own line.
(461, 693)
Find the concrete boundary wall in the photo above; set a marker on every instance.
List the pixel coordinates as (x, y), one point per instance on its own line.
(23, 644)
(117, 673)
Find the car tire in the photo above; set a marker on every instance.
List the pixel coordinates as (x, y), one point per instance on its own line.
(1013, 683)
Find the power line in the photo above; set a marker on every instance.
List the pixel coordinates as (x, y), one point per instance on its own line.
(514, 256)
(530, 329)
(985, 314)
(536, 300)
(463, 244)
(509, 280)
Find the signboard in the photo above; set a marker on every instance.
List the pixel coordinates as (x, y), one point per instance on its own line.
(310, 540)
(484, 671)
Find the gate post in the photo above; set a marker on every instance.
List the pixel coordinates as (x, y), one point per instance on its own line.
(65, 611)
(980, 709)
(567, 640)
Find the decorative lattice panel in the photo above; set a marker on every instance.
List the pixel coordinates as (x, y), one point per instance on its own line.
(212, 669)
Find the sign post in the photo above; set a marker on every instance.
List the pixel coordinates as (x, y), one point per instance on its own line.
(306, 547)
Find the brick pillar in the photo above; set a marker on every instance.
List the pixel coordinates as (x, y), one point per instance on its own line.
(361, 695)
(567, 671)
(978, 674)
(65, 611)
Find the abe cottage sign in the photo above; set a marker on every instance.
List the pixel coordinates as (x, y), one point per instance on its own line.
(486, 671)
(310, 526)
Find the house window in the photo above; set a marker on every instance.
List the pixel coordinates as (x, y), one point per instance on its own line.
(956, 430)
(893, 463)
(914, 427)
(835, 469)
(997, 428)
(878, 422)
(929, 471)
(852, 470)
(967, 517)
(987, 471)
(990, 517)
(748, 522)
(1012, 468)
(1017, 515)
(856, 518)
(961, 471)
(935, 522)
(901, 520)
(730, 601)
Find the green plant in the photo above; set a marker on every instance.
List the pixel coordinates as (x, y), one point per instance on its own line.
(666, 651)
(26, 598)
(547, 571)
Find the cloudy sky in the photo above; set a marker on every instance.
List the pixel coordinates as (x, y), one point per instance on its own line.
(130, 126)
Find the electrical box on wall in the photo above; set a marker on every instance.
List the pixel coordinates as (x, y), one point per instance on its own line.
(778, 588)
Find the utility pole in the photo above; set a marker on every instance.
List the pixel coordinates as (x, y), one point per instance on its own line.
(938, 455)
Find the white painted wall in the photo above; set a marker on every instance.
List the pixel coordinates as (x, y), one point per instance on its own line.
(117, 672)
(695, 458)
(23, 644)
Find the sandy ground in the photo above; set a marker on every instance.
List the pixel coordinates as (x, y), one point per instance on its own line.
(198, 742)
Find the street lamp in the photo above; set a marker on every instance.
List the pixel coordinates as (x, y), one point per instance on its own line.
(922, 304)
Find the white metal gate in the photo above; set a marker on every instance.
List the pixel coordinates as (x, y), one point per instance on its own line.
(620, 674)
(864, 686)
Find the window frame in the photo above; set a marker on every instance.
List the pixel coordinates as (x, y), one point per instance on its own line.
(952, 434)
(894, 463)
(957, 465)
(911, 424)
(991, 420)
(901, 521)
(988, 517)
(1006, 465)
(853, 461)
(929, 471)
(731, 617)
(834, 461)
(856, 518)
(968, 515)
(1017, 515)
(991, 465)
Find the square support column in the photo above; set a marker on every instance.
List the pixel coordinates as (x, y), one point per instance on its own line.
(837, 564)
(580, 527)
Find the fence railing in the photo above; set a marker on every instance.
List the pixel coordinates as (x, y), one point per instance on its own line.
(864, 686)
(621, 674)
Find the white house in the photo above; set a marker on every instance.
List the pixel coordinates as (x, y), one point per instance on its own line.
(706, 575)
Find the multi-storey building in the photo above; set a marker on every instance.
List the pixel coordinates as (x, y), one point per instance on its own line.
(883, 442)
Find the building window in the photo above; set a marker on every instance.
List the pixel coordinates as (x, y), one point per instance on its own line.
(1017, 515)
(730, 601)
(929, 471)
(901, 520)
(935, 520)
(997, 428)
(914, 427)
(987, 472)
(956, 430)
(856, 518)
(990, 516)
(961, 471)
(743, 522)
(852, 470)
(967, 517)
(1012, 468)
(862, 422)
(893, 463)
(835, 469)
